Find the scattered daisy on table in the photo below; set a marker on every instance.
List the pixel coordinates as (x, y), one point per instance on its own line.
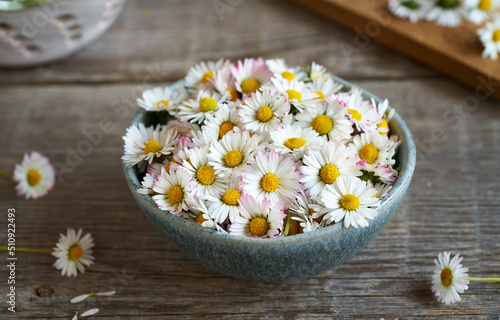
(73, 252)
(35, 176)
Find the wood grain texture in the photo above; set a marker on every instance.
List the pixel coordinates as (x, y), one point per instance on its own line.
(452, 204)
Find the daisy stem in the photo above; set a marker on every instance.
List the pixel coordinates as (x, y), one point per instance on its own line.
(18, 249)
(483, 279)
(6, 174)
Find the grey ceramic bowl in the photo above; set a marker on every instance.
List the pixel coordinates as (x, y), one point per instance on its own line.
(282, 258)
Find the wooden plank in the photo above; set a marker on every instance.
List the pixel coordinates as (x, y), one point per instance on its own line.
(452, 204)
(453, 51)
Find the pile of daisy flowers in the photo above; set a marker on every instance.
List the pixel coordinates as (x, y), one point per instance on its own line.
(263, 149)
(452, 13)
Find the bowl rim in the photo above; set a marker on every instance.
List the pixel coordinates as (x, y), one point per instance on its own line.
(406, 173)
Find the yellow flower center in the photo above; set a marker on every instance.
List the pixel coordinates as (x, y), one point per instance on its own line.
(496, 35)
(349, 202)
(208, 104)
(152, 146)
(485, 5)
(225, 128)
(205, 175)
(383, 124)
(294, 228)
(175, 194)
(369, 153)
(259, 226)
(270, 182)
(355, 114)
(34, 177)
(322, 124)
(161, 103)
(75, 252)
(320, 94)
(264, 114)
(249, 85)
(294, 95)
(231, 197)
(446, 277)
(233, 158)
(288, 75)
(234, 94)
(329, 173)
(200, 219)
(294, 143)
(207, 77)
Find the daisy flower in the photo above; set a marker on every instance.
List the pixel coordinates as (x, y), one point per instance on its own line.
(280, 69)
(226, 204)
(198, 213)
(413, 10)
(206, 137)
(378, 173)
(201, 74)
(73, 252)
(271, 176)
(324, 87)
(223, 120)
(173, 190)
(294, 140)
(250, 75)
(382, 188)
(35, 176)
(159, 99)
(153, 171)
(147, 144)
(373, 148)
(328, 120)
(351, 200)
(481, 10)
(303, 213)
(231, 154)
(185, 128)
(318, 71)
(262, 111)
(296, 92)
(364, 116)
(323, 166)
(449, 278)
(195, 110)
(448, 13)
(490, 37)
(258, 219)
(223, 82)
(206, 181)
(385, 114)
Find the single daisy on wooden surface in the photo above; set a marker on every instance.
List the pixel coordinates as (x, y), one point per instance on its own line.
(162, 98)
(322, 167)
(262, 111)
(294, 140)
(324, 87)
(147, 144)
(280, 69)
(35, 176)
(258, 219)
(206, 102)
(490, 37)
(317, 71)
(230, 155)
(223, 82)
(205, 180)
(364, 116)
(272, 176)
(449, 278)
(250, 75)
(413, 10)
(481, 10)
(73, 252)
(200, 75)
(448, 13)
(296, 92)
(329, 119)
(225, 205)
(373, 148)
(224, 120)
(172, 190)
(349, 200)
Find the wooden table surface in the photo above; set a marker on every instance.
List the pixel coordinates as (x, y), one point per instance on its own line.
(452, 203)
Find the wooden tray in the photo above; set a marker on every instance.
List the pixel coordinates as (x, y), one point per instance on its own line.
(453, 51)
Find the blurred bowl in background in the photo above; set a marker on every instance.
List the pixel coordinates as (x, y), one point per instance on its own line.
(33, 32)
